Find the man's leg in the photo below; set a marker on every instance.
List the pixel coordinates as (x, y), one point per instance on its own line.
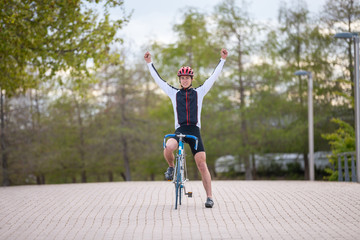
(200, 159)
(171, 146)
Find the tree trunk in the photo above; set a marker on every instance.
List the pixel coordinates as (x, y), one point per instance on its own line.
(4, 155)
(83, 176)
(253, 166)
(36, 126)
(111, 176)
(349, 48)
(126, 159)
(123, 176)
(82, 143)
(351, 71)
(40, 179)
(244, 128)
(124, 143)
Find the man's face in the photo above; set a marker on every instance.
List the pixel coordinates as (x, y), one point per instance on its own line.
(185, 81)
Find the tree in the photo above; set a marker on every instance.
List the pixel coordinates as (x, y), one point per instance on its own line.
(294, 51)
(28, 135)
(343, 16)
(277, 113)
(39, 40)
(238, 31)
(342, 140)
(193, 47)
(124, 123)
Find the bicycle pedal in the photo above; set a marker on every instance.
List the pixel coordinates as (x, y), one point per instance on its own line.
(189, 194)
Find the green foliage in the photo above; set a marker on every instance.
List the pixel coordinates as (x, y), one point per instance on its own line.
(39, 39)
(195, 47)
(104, 119)
(342, 140)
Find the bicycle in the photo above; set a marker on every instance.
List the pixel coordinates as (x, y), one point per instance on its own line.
(180, 170)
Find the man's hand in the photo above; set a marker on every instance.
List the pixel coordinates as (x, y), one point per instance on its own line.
(147, 57)
(224, 53)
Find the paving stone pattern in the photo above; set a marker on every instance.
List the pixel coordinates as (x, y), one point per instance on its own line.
(145, 210)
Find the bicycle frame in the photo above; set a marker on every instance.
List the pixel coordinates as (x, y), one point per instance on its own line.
(180, 170)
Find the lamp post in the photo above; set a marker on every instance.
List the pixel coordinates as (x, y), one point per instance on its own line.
(310, 122)
(355, 37)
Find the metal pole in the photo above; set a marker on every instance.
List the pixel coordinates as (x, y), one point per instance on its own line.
(357, 104)
(311, 128)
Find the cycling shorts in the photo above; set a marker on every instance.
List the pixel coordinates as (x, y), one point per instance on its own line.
(191, 130)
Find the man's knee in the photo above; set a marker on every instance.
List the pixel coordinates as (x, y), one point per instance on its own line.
(171, 145)
(200, 159)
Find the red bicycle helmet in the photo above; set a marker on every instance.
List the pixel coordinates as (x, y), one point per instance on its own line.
(185, 71)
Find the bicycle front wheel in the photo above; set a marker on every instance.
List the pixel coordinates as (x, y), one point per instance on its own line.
(177, 194)
(177, 184)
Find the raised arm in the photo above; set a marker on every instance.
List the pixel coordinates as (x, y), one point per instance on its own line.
(169, 90)
(210, 81)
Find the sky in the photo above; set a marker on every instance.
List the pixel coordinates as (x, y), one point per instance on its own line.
(153, 19)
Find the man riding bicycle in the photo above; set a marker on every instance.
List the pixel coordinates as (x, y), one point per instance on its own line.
(187, 104)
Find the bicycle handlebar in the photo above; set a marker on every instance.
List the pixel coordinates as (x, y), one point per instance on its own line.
(181, 136)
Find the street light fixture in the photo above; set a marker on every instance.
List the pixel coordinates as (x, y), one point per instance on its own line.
(355, 37)
(310, 122)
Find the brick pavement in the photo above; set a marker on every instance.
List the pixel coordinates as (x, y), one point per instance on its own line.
(144, 210)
